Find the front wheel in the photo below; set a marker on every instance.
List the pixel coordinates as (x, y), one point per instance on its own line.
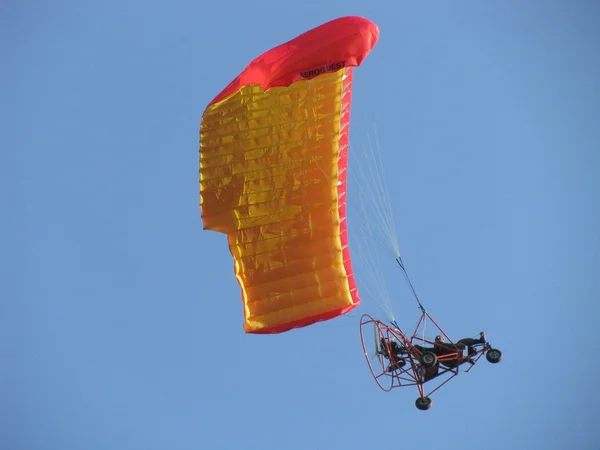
(494, 355)
(423, 403)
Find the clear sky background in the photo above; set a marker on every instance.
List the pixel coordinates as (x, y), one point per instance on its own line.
(121, 320)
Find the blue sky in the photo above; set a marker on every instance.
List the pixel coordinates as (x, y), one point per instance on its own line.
(121, 319)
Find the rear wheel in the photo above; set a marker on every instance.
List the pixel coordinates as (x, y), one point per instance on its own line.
(428, 359)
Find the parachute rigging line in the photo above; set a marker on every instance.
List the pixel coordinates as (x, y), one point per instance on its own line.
(401, 264)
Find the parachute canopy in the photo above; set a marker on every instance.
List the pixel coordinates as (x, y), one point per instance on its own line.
(273, 159)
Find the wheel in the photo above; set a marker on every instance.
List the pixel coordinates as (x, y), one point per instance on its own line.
(423, 403)
(494, 355)
(428, 359)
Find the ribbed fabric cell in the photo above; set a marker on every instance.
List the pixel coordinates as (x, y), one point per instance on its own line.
(282, 173)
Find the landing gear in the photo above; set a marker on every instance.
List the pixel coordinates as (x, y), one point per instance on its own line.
(428, 359)
(423, 403)
(493, 355)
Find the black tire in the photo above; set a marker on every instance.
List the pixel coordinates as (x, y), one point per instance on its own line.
(428, 359)
(493, 355)
(423, 403)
